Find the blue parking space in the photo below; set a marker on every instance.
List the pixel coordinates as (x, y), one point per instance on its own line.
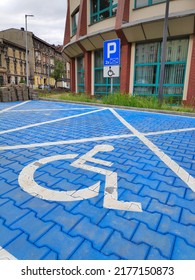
(147, 122)
(101, 184)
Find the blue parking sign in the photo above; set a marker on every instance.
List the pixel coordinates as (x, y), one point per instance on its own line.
(112, 52)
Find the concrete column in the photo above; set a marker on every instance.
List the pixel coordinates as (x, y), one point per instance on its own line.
(73, 75)
(125, 67)
(191, 85)
(88, 69)
(123, 16)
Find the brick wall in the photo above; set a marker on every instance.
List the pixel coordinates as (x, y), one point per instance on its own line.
(191, 86)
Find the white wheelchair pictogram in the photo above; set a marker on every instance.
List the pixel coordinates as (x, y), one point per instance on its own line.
(110, 200)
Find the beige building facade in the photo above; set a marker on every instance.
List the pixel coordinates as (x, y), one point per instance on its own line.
(12, 63)
(139, 26)
(41, 57)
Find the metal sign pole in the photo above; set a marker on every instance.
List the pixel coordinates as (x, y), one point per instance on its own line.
(111, 82)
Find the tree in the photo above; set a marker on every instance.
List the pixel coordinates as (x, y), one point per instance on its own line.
(59, 71)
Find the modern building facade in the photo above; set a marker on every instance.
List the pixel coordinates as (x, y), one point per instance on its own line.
(139, 26)
(42, 56)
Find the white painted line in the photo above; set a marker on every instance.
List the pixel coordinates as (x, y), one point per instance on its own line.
(5, 255)
(10, 108)
(169, 131)
(48, 122)
(67, 142)
(42, 110)
(178, 170)
(93, 139)
(169, 113)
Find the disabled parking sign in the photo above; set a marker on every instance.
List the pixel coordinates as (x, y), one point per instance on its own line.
(112, 58)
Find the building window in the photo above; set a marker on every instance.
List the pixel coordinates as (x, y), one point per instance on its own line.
(1, 81)
(148, 63)
(102, 9)
(80, 74)
(103, 85)
(144, 3)
(75, 19)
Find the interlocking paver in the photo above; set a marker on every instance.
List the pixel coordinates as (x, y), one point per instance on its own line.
(91, 232)
(60, 242)
(150, 219)
(178, 190)
(173, 211)
(87, 209)
(182, 251)
(63, 218)
(11, 213)
(186, 232)
(187, 217)
(161, 196)
(154, 254)
(38, 206)
(162, 242)
(181, 202)
(87, 252)
(6, 234)
(127, 228)
(31, 252)
(124, 248)
(35, 228)
(34, 233)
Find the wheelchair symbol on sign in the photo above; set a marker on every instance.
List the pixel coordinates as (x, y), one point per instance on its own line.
(110, 72)
(28, 184)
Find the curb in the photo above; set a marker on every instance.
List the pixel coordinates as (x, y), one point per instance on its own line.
(167, 112)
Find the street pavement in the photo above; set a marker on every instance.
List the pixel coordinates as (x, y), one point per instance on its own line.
(83, 182)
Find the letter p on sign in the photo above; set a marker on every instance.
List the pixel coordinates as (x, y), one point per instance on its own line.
(111, 48)
(112, 52)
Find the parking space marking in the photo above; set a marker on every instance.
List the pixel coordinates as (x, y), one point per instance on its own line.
(92, 139)
(48, 122)
(27, 182)
(5, 255)
(94, 228)
(10, 108)
(176, 168)
(168, 131)
(67, 142)
(53, 110)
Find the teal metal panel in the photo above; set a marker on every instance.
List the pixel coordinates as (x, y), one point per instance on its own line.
(147, 67)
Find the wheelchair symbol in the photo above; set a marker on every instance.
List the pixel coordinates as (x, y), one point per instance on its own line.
(28, 184)
(110, 72)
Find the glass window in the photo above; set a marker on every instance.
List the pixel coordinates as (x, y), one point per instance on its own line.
(103, 9)
(75, 19)
(80, 74)
(144, 3)
(1, 81)
(148, 63)
(103, 85)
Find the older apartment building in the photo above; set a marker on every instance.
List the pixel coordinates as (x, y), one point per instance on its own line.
(41, 57)
(139, 26)
(12, 63)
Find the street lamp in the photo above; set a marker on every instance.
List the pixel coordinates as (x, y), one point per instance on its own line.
(163, 54)
(27, 70)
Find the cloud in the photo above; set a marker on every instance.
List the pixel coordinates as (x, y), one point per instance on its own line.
(48, 21)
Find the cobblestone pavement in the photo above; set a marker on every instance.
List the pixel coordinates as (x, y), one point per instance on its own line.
(83, 182)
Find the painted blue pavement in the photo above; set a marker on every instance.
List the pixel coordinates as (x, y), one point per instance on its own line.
(35, 228)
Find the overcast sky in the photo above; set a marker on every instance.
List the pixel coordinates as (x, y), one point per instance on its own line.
(48, 22)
